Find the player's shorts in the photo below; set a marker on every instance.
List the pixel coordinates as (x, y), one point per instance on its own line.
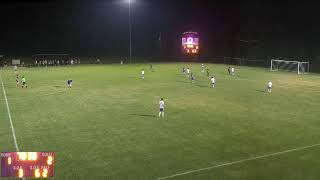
(161, 109)
(24, 83)
(269, 87)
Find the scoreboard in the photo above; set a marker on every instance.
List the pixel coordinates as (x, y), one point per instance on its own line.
(27, 164)
(190, 43)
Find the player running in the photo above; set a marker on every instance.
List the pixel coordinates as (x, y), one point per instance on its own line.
(213, 81)
(151, 67)
(229, 70)
(192, 77)
(24, 82)
(69, 83)
(188, 72)
(161, 104)
(17, 80)
(232, 71)
(208, 72)
(269, 87)
(183, 70)
(202, 68)
(142, 74)
(15, 68)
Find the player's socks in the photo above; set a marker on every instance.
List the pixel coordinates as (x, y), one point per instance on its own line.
(159, 114)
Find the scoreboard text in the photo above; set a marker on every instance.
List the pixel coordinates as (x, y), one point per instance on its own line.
(27, 164)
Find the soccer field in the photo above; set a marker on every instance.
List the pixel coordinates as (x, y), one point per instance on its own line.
(107, 125)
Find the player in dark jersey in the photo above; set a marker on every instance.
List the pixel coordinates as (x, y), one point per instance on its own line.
(17, 80)
(69, 82)
(192, 77)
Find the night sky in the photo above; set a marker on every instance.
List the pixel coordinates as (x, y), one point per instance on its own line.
(272, 29)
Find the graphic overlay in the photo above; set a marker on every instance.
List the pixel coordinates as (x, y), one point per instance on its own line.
(27, 164)
(190, 43)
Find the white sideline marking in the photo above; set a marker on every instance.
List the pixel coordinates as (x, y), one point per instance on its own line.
(9, 114)
(238, 162)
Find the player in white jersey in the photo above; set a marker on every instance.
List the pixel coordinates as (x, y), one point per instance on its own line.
(15, 68)
(213, 81)
(188, 72)
(269, 86)
(232, 71)
(142, 74)
(202, 68)
(161, 104)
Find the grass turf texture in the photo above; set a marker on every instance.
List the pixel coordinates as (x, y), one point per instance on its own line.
(107, 125)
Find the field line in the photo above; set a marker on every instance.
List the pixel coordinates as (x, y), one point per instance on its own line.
(9, 114)
(238, 162)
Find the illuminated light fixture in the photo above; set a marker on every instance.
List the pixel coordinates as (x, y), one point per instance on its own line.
(197, 47)
(190, 45)
(188, 50)
(190, 40)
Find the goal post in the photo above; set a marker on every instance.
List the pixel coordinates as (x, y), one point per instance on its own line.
(300, 67)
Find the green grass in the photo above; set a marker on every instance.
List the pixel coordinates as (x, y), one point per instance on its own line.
(106, 126)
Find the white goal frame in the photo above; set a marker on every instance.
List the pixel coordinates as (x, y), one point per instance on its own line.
(301, 69)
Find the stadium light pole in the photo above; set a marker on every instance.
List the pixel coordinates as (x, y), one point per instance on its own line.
(130, 32)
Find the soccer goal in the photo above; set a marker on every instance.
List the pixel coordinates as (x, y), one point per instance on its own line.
(300, 67)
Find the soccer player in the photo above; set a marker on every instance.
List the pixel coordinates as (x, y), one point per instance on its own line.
(208, 72)
(142, 74)
(17, 80)
(69, 83)
(213, 81)
(192, 77)
(15, 68)
(183, 70)
(151, 67)
(232, 71)
(188, 72)
(269, 86)
(202, 68)
(161, 103)
(229, 70)
(24, 82)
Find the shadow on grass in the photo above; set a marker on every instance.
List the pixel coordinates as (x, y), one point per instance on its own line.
(201, 85)
(182, 81)
(260, 91)
(144, 115)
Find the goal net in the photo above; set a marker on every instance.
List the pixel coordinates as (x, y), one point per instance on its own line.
(300, 67)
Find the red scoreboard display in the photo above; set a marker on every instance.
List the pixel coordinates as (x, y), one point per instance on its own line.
(190, 43)
(27, 164)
